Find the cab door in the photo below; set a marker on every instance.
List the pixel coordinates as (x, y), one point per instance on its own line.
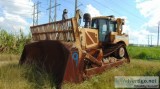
(103, 29)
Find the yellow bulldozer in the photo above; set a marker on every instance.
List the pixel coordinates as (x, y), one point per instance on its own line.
(73, 53)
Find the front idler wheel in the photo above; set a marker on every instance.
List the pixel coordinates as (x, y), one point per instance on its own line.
(120, 52)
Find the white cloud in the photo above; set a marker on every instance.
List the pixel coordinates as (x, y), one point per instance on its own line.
(139, 36)
(135, 36)
(15, 18)
(1, 19)
(151, 10)
(15, 14)
(92, 10)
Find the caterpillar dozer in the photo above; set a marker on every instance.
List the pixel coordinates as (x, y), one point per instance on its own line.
(74, 53)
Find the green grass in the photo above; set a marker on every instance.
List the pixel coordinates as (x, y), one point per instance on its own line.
(9, 57)
(13, 76)
(149, 53)
(106, 79)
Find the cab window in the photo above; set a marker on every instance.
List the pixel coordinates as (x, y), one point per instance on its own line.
(102, 29)
(112, 26)
(103, 26)
(94, 24)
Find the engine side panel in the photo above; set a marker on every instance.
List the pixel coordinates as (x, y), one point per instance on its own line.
(89, 38)
(115, 38)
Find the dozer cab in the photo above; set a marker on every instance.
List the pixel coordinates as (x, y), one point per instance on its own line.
(73, 53)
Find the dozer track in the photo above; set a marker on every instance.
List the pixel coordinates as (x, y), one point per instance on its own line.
(112, 50)
(109, 53)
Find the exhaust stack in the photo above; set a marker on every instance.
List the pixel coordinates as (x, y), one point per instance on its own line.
(87, 20)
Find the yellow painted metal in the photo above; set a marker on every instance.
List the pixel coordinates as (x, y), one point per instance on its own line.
(89, 38)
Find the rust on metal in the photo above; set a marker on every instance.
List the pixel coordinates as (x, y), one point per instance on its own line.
(61, 30)
(96, 70)
(43, 55)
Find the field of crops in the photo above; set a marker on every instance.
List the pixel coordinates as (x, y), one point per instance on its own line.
(145, 61)
(12, 43)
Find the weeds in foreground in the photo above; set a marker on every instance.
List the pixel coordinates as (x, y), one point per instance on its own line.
(13, 76)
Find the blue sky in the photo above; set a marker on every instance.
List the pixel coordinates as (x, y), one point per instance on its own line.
(118, 8)
(141, 16)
